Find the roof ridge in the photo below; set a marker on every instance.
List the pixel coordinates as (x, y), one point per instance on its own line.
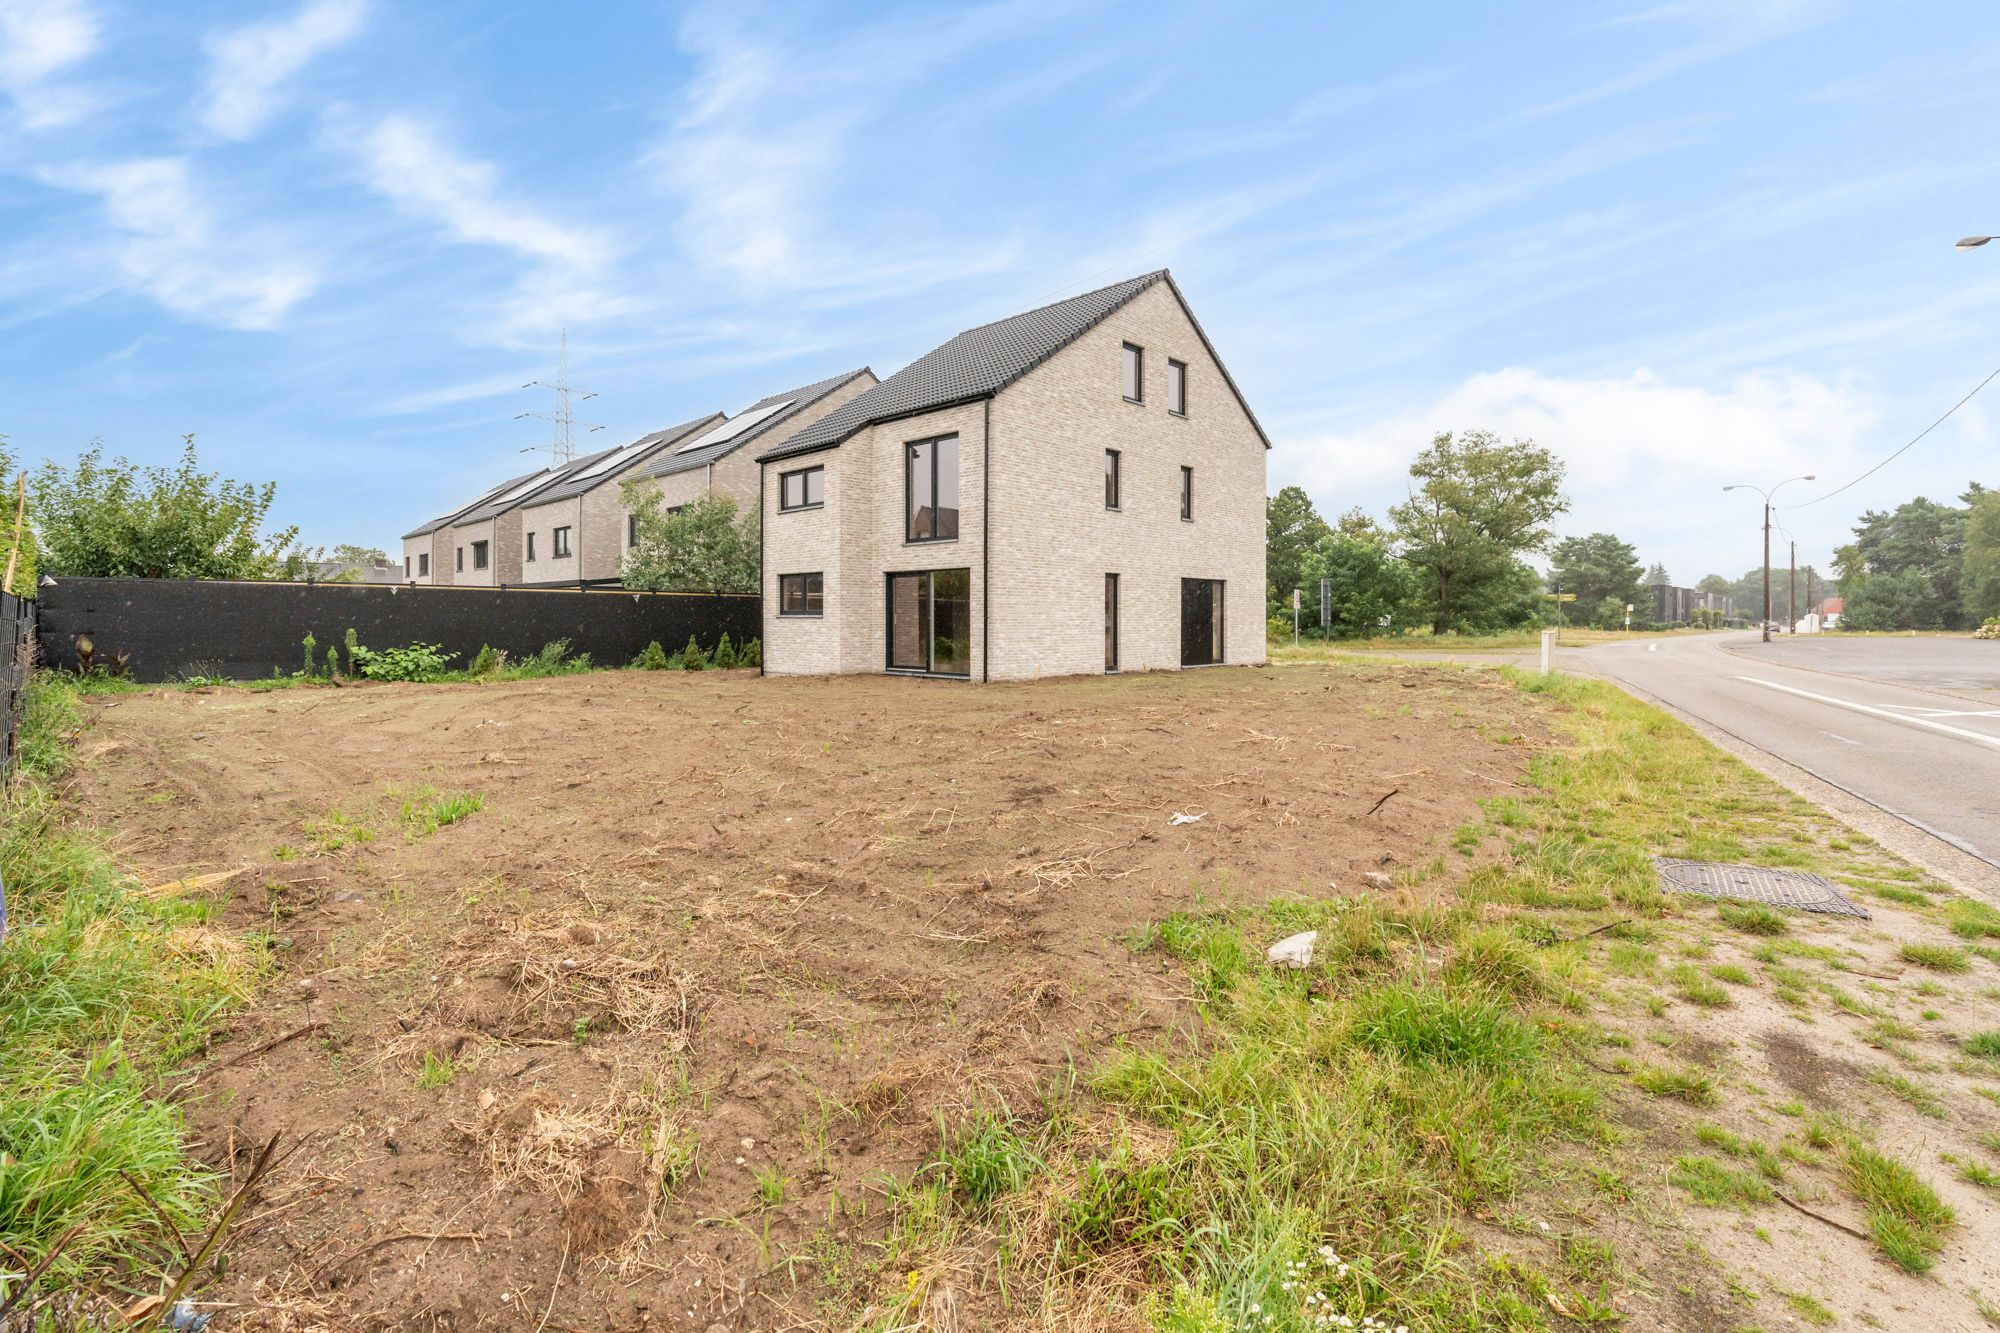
(1155, 274)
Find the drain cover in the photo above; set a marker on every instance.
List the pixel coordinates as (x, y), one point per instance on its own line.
(1779, 888)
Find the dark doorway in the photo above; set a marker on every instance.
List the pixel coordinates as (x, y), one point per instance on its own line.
(930, 622)
(1201, 622)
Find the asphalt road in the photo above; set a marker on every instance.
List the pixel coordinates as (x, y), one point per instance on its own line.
(1909, 727)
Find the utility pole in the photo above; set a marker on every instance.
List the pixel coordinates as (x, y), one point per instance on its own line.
(1792, 591)
(562, 448)
(1765, 627)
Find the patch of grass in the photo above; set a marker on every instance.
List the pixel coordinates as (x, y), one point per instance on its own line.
(987, 1159)
(1919, 1097)
(104, 991)
(438, 1070)
(1767, 1162)
(336, 831)
(1905, 1216)
(426, 810)
(1810, 1309)
(1984, 1045)
(1971, 919)
(1754, 919)
(1448, 1026)
(1936, 957)
(1733, 973)
(1696, 1087)
(1696, 988)
(771, 1186)
(1977, 1173)
(1718, 1184)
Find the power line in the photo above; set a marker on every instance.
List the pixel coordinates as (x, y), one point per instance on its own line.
(1906, 448)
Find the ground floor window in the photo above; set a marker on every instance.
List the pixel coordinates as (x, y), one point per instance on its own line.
(1110, 622)
(1201, 622)
(801, 594)
(930, 622)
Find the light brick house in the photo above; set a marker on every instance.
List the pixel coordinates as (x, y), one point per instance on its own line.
(433, 552)
(574, 529)
(1077, 489)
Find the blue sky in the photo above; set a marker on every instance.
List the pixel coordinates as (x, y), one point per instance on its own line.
(1685, 244)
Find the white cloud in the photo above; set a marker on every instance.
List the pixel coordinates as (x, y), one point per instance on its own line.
(171, 242)
(250, 66)
(39, 40)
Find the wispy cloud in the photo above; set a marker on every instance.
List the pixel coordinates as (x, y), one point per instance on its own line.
(39, 41)
(172, 243)
(250, 68)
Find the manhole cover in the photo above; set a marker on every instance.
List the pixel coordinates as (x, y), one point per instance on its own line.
(1780, 888)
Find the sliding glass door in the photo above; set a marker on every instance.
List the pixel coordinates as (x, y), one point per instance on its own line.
(930, 622)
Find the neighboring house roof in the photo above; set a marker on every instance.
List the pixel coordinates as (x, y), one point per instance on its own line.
(1832, 606)
(446, 520)
(982, 361)
(587, 474)
(760, 419)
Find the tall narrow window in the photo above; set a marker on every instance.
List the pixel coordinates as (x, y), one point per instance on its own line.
(423, 566)
(529, 555)
(1110, 622)
(930, 483)
(1187, 495)
(480, 555)
(631, 529)
(1177, 388)
(559, 544)
(1110, 478)
(406, 567)
(461, 559)
(1135, 374)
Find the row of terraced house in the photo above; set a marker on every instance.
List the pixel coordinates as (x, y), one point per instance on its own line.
(1076, 489)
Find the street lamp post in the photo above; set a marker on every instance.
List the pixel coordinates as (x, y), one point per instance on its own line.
(1765, 626)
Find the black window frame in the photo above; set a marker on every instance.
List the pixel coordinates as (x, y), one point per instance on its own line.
(528, 554)
(1111, 618)
(1138, 360)
(406, 569)
(482, 555)
(1176, 388)
(808, 583)
(1114, 479)
(423, 565)
(559, 547)
(1187, 494)
(806, 487)
(929, 579)
(460, 566)
(936, 443)
(631, 530)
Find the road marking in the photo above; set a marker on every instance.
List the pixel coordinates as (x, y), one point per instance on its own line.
(1837, 736)
(1947, 712)
(1981, 737)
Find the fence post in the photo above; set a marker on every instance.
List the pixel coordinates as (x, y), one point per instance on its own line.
(1548, 650)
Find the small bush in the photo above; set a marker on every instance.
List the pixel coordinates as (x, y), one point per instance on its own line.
(418, 662)
(485, 662)
(725, 653)
(692, 657)
(654, 658)
(553, 660)
(752, 654)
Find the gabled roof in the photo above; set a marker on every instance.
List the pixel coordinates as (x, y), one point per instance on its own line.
(573, 480)
(788, 405)
(982, 361)
(446, 520)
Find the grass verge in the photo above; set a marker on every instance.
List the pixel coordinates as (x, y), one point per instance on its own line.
(104, 992)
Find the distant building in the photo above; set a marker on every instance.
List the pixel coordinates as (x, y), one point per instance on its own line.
(1825, 616)
(1679, 606)
(357, 571)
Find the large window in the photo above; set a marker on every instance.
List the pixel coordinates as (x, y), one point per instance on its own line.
(801, 594)
(481, 555)
(804, 489)
(930, 622)
(1110, 622)
(559, 544)
(930, 476)
(1177, 388)
(1135, 374)
(529, 554)
(1187, 495)
(1110, 478)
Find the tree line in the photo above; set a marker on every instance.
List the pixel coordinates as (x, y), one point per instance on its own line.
(1923, 565)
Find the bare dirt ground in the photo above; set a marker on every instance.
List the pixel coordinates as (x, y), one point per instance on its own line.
(717, 951)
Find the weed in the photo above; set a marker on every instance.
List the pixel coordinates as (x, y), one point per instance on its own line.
(425, 811)
(438, 1070)
(1984, 1045)
(1696, 988)
(1905, 1216)
(1717, 1184)
(1921, 1098)
(1973, 920)
(1755, 919)
(1810, 1309)
(771, 1186)
(1696, 1087)
(1937, 957)
(987, 1159)
(1733, 973)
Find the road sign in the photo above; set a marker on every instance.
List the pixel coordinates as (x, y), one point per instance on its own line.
(1560, 596)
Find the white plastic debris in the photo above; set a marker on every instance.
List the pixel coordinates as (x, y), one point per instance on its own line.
(1180, 818)
(1295, 951)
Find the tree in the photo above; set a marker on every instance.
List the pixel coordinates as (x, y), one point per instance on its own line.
(1715, 583)
(120, 520)
(703, 546)
(1370, 589)
(1918, 548)
(1481, 506)
(1656, 574)
(1291, 527)
(1357, 523)
(1980, 580)
(1595, 568)
(25, 558)
(346, 553)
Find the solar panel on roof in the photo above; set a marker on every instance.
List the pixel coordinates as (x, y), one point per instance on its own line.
(736, 425)
(611, 460)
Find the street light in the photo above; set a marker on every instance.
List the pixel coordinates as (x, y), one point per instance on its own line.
(1744, 486)
(1973, 242)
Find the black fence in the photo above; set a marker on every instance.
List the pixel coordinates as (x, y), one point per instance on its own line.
(17, 646)
(171, 629)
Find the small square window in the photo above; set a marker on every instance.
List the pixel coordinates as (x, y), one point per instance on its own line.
(1187, 495)
(1135, 374)
(559, 544)
(801, 594)
(1177, 388)
(1110, 478)
(530, 555)
(804, 489)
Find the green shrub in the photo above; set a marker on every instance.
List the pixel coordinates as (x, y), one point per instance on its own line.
(311, 667)
(418, 662)
(552, 660)
(725, 653)
(485, 662)
(354, 651)
(752, 654)
(654, 658)
(692, 657)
